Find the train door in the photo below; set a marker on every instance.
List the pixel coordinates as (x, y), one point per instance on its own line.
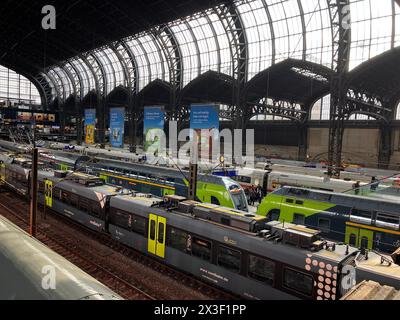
(48, 193)
(156, 235)
(359, 238)
(2, 172)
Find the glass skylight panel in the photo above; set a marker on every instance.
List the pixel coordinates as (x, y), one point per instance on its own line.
(371, 29)
(86, 75)
(16, 87)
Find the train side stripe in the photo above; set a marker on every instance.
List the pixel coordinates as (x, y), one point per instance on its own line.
(362, 226)
(140, 181)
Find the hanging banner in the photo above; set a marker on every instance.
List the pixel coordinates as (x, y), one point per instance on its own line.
(204, 119)
(154, 120)
(90, 124)
(117, 127)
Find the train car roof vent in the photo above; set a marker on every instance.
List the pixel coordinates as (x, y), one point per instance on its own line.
(297, 235)
(60, 174)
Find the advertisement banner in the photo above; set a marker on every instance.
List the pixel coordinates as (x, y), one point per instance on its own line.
(154, 120)
(203, 119)
(117, 127)
(90, 124)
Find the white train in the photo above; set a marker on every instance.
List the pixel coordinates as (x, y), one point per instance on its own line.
(272, 180)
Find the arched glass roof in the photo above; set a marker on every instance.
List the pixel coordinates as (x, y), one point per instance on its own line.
(16, 88)
(274, 30)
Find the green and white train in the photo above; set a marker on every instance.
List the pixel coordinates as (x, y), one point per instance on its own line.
(356, 220)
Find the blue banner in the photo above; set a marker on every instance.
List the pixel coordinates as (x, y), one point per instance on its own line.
(90, 124)
(154, 119)
(117, 127)
(204, 119)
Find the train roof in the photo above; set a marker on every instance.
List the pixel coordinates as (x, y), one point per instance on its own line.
(348, 200)
(77, 188)
(371, 290)
(23, 259)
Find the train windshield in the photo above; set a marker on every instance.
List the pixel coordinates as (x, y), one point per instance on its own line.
(239, 199)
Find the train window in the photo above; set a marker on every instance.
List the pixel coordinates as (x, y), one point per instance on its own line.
(353, 240)
(214, 200)
(274, 215)
(201, 248)
(57, 193)
(178, 239)
(362, 213)
(299, 202)
(139, 225)
(120, 219)
(74, 199)
(364, 243)
(299, 219)
(324, 225)
(84, 205)
(388, 218)
(152, 230)
(320, 196)
(226, 221)
(289, 201)
(229, 259)
(96, 209)
(298, 281)
(261, 269)
(161, 232)
(64, 196)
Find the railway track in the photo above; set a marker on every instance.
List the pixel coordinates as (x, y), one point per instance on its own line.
(62, 245)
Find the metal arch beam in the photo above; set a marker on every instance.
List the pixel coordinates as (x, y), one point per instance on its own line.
(78, 83)
(99, 71)
(113, 72)
(164, 36)
(178, 58)
(281, 109)
(303, 24)
(95, 76)
(133, 73)
(234, 28)
(128, 80)
(77, 79)
(214, 32)
(272, 30)
(196, 44)
(62, 105)
(146, 56)
(44, 88)
(103, 69)
(160, 53)
(56, 86)
(131, 65)
(65, 85)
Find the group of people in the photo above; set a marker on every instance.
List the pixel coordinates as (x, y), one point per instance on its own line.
(254, 195)
(373, 185)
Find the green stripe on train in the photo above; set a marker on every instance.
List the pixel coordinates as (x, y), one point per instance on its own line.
(287, 210)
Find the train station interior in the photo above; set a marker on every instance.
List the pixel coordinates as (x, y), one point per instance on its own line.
(200, 150)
